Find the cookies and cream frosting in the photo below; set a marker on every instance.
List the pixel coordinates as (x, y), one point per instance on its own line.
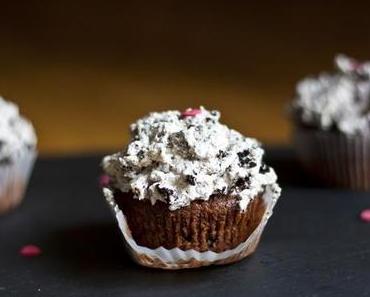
(340, 100)
(179, 157)
(16, 133)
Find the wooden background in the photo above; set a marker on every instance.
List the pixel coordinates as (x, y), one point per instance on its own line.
(83, 70)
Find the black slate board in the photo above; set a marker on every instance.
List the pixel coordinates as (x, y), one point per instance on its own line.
(314, 245)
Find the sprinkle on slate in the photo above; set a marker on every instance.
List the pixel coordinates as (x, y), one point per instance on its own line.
(191, 112)
(30, 250)
(365, 215)
(104, 180)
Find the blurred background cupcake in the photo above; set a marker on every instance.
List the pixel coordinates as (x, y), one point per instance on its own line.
(17, 154)
(331, 115)
(188, 191)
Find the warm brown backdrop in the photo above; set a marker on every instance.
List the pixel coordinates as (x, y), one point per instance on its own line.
(83, 70)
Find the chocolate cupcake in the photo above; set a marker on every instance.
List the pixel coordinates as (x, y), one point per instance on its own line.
(17, 154)
(188, 191)
(332, 120)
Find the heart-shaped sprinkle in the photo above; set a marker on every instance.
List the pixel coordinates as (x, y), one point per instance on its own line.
(30, 250)
(365, 215)
(191, 112)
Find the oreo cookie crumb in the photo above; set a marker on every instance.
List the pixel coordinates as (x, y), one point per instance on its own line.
(161, 134)
(140, 154)
(136, 192)
(242, 183)
(244, 158)
(190, 179)
(252, 164)
(220, 191)
(221, 154)
(165, 192)
(264, 168)
(178, 140)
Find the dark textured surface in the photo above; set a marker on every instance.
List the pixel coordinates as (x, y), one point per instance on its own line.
(314, 245)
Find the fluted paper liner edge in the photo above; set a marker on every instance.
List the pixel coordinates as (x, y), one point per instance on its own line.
(338, 159)
(14, 179)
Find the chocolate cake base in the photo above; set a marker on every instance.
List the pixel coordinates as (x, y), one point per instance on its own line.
(337, 159)
(214, 225)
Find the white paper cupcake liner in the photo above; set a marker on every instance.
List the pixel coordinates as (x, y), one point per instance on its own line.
(338, 159)
(14, 179)
(176, 258)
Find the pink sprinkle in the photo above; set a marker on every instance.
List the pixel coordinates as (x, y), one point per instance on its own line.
(356, 65)
(365, 215)
(30, 250)
(191, 112)
(104, 180)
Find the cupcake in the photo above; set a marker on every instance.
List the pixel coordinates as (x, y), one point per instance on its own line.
(188, 191)
(331, 115)
(17, 154)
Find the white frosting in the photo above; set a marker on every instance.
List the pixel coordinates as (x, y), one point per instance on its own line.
(340, 100)
(16, 133)
(177, 159)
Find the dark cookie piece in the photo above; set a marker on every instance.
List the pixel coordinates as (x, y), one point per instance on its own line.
(264, 168)
(160, 134)
(126, 167)
(136, 192)
(140, 155)
(165, 192)
(244, 158)
(190, 179)
(221, 154)
(178, 142)
(220, 191)
(241, 184)
(210, 120)
(252, 164)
